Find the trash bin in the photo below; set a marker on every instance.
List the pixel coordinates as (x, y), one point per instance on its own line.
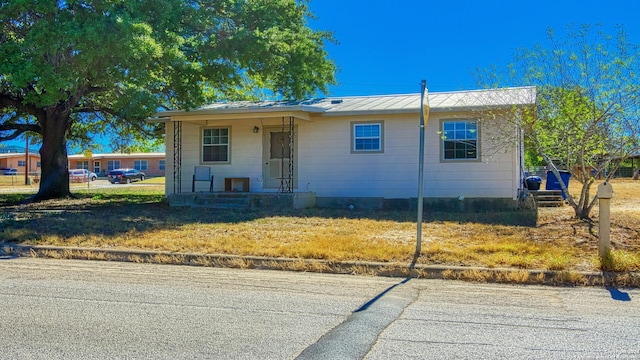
(532, 182)
(554, 184)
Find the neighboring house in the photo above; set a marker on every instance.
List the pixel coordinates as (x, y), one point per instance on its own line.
(19, 161)
(361, 150)
(4, 149)
(152, 164)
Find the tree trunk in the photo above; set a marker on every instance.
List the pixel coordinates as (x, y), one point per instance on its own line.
(54, 180)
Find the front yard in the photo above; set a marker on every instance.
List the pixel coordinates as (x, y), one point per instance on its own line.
(137, 217)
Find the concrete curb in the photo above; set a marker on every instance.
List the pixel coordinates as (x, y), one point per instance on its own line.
(476, 274)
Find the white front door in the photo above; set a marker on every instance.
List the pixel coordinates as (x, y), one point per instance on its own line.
(278, 158)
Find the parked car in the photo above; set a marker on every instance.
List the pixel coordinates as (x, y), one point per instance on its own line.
(125, 176)
(10, 172)
(81, 175)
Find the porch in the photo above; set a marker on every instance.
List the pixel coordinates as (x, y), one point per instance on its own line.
(240, 200)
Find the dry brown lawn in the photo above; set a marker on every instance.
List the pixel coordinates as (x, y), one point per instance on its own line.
(138, 218)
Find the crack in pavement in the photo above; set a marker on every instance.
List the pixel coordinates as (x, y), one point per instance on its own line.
(354, 337)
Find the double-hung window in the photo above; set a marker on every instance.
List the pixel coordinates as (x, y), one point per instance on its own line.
(215, 145)
(140, 165)
(460, 140)
(113, 164)
(367, 137)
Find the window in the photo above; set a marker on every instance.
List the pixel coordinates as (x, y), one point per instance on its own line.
(140, 165)
(215, 145)
(366, 137)
(460, 140)
(96, 167)
(22, 162)
(82, 164)
(113, 164)
(162, 164)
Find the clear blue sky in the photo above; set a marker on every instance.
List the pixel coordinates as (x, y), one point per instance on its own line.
(387, 47)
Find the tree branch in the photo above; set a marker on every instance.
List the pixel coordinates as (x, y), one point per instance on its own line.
(17, 130)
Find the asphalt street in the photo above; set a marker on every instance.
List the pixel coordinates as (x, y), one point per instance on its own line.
(67, 309)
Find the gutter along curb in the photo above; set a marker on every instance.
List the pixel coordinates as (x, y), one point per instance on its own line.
(465, 273)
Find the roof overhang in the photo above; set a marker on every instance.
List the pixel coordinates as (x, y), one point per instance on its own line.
(301, 112)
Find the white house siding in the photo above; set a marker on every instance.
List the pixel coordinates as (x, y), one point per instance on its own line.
(245, 153)
(326, 165)
(328, 168)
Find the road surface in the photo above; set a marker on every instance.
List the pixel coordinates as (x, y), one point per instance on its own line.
(65, 309)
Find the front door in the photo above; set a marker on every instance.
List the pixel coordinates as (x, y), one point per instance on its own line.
(279, 158)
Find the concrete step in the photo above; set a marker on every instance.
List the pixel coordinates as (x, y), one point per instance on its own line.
(550, 203)
(548, 198)
(222, 201)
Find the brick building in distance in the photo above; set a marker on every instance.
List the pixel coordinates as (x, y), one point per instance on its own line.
(152, 164)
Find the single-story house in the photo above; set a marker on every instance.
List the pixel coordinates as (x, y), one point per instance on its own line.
(355, 151)
(152, 164)
(19, 161)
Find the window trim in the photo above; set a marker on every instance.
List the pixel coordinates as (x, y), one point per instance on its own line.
(202, 129)
(113, 163)
(443, 139)
(141, 162)
(353, 125)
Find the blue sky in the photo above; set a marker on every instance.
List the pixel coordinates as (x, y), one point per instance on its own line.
(387, 47)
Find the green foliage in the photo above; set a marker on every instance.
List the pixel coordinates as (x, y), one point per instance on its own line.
(124, 60)
(588, 103)
(72, 69)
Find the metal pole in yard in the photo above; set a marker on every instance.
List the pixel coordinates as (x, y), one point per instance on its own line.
(26, 160)
(424, 113)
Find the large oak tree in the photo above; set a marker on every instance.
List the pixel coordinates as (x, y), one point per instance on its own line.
(72, 66)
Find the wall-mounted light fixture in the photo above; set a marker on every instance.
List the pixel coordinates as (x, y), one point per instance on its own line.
(256, 129)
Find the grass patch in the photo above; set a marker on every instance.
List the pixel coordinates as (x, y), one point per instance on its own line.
(137, 217)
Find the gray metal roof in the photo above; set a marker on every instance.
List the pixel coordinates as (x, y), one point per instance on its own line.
(378, 104)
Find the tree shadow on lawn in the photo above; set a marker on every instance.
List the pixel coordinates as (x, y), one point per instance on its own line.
(114, 214)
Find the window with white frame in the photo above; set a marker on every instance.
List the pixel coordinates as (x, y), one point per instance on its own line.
(460, 140)
(22, 162)
(83, 164)
(367, 137)
(140, 165)
(215, 145)
(162, 164)
(113, 164)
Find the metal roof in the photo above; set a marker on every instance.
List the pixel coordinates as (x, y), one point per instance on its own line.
(378, 104)
(119, 155)
(22, 154)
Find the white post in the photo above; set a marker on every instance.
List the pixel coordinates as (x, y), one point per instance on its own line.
(605, 193)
